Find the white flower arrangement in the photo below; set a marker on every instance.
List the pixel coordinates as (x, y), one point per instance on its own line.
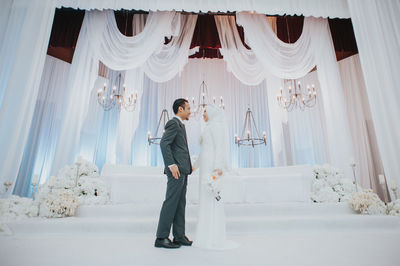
(367, 202)
(92, 191)
(74, 185)
(68, 176)
(17, 208)
(393, 208)
(4, 229)
(330, 185)
(86, 168)
(59, 203)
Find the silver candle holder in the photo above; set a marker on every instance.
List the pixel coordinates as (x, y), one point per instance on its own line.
(353, 167)
(395, 193)
(393, 188)
(78, 164)
(34, 189)
(7, 184)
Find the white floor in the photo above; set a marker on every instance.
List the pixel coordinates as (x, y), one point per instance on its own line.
(322, 248)
(269, 234)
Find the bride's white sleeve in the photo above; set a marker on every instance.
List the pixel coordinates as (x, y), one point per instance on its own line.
(220, 151)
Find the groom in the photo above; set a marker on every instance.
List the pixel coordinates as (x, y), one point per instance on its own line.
(178, 166)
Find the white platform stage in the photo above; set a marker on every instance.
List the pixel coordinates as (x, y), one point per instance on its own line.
(129, 184)
(268, 212)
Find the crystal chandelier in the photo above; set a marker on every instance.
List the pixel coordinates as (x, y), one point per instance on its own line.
(157, 138)
(296, 97)
(250, 135)
(203, 100)
(117, 97)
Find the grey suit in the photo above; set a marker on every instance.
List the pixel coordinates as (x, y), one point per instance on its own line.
(174, 149)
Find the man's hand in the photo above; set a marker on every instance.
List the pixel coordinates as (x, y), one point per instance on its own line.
(175, 171)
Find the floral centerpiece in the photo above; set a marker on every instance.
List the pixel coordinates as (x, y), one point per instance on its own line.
(393, 208)
(60, 195)
(330, 185)
(367, 202)
(74, 185)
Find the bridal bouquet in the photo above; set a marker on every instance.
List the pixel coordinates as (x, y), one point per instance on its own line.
(367, 202)
(330, 185)
(215, 185)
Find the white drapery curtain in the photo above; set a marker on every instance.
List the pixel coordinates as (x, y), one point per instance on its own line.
(120, 52)
(22, 58)
(241, 61)
(281, 59)
(316, 8)
(377, 30)
(366, 155)
(100, 39)
(307, 130)
(160, 67)
(220, 82)
(40, 147)
(294, 61)
(128, 122)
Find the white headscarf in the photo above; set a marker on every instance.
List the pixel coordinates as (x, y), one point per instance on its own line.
(219, 128)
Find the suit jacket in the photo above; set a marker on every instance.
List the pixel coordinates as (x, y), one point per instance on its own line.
(174, 147)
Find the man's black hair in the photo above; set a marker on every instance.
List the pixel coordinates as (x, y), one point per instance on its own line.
(178, 103)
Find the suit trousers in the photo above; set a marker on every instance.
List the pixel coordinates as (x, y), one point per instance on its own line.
(173, 209)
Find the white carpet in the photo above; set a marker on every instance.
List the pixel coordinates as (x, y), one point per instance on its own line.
(270, 234)
(322, 248)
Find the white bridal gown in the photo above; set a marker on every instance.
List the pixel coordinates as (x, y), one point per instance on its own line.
(210, 231)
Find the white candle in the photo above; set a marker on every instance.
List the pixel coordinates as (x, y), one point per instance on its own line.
(35, 179)
(52, 181)
(352, 162)
(381, 179)
(392, 185)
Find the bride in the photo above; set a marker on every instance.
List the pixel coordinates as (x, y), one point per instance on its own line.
(213, 164)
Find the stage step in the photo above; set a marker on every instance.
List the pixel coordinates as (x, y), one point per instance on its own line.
(262, 218)
(231, 210)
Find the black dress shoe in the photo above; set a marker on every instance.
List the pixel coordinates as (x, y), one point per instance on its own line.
(165, 243)
(184, 241)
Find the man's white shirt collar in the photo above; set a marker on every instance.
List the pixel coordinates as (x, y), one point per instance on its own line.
(180, 119)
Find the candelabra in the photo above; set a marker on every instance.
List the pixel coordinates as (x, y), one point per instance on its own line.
(353, 167)
(296, 97)
(35, 183)
(78, 164)
(109, 99)
(393, 187)
(203, 100)
(161, 123)
(7, 185)
(252, 137)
